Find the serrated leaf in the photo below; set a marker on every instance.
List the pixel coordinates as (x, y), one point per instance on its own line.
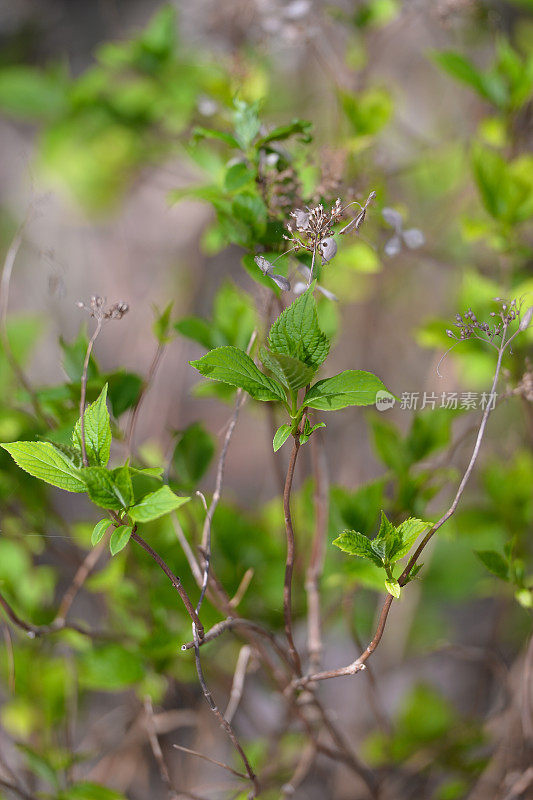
(393, 588)
(354, 387)
(156, 504)
(494, 562)
(109, 488)
(46, 462)
(408, 531)
(99, 531)
(357, 544)
(387, 540)
(296, 332)
(97, 430)
(281, 436)
(120, 538)
(291, 372)
(231, 365)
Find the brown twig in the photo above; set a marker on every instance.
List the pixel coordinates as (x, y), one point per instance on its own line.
(156, 748)
(82, 573)
(239, 622)
(359, 663)
(10, 657)
(211, 761)
(154, 366)
(316, 561)
(303, 765)
(175, 581)
(289, 563)
(237, 686)
(36, 631)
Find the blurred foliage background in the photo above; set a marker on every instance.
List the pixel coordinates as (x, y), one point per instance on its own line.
(153, 149)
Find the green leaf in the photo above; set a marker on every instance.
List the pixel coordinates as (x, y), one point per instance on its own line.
(120, 538)
(192, 455)
(354, 387)
(494, 562)
(291, 372)
(393, 588)
(463, 70)
(87, 790)
(74, 356)
(308, 430)
(237, 176)
(296, 332)
(156, 504)
(298, 127)
(97, 431)
(408, 531)
(109, 488)
(281, 436)
(99, 531)
(208, 133)
(357, 544)
(368, 111)
(246, 122)
(231, 365)
(32, 93)
(387, 540)
(46, 462)
(196, 329)
(161, 324)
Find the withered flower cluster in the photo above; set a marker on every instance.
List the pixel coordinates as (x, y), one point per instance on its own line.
(97, 308)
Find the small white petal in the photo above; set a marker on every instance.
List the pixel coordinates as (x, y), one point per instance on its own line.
(299, 288)
(392, 218)
(264, 264)
(393, 246)
(413, 238)
(328, 294)
(327, 248)
(283, 283)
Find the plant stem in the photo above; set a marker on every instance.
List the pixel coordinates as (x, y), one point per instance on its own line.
(289, 563)
(83, 392)
(176, 583)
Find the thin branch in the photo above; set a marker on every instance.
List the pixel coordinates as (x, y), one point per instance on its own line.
(242, 587)
(154, 366)
(83, 393)
(156, 748)
(239, 622)
(211, 761)
(175, 581)
(36, 631)
(10, 657)
(206, 532)
(82, 573)
(359, 663)
(5, 281)
(304, 764)
(289, 563)
(237, 686)
(316, 561)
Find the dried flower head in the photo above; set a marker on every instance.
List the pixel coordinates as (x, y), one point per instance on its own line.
(97, 308)
(312, 229)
